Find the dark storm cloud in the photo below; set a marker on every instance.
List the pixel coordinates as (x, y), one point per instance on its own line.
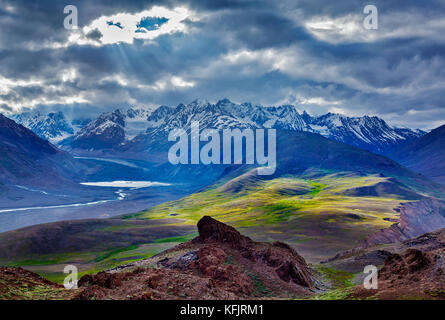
(259, 51)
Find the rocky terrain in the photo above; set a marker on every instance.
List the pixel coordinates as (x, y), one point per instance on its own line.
(220, 263)
(412, 274)
(413, 269)
(416, 218)
(21, 284)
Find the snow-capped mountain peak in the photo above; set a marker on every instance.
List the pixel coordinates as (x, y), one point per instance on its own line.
(53, 126)
(120, 127)
(367, 132)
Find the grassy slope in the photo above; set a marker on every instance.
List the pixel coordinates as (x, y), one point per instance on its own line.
(23, 286)
(90, 245)
(313, 214)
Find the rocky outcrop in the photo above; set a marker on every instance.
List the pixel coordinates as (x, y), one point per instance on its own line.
(288, 264)
(213, 231)
(414, 268)
(416, 218)
(101, 279)
(400, 265)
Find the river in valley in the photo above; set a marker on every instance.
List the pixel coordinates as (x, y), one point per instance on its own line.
(117, 197)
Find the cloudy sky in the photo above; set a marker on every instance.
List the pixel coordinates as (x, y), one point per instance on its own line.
(314, 54)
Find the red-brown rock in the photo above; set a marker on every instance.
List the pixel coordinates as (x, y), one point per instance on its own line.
(211, 231)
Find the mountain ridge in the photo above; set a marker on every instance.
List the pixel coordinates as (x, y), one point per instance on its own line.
(113, 129)
(27, 156)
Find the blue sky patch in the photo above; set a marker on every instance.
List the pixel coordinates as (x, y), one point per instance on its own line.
(116, 24)
(152, 23)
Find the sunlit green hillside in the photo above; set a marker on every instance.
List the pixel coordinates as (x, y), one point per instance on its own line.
(320, 216)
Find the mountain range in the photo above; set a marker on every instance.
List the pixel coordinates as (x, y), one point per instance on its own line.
(138, 131)
(130, 129)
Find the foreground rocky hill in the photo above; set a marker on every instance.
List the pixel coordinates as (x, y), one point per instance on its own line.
(218, 264)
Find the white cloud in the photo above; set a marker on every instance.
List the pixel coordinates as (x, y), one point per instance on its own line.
(342, 29)
(349, 28)
(31, 103)
(168, 82)
(412, 117)
(7, 85)
(69, 75)
(123, 27)
(51, 93)
(319, 101)
(179, 82)
(292, 61)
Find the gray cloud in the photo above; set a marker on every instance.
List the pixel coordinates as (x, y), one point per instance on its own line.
(258, 51)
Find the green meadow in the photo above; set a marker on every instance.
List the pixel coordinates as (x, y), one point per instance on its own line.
(319, 216)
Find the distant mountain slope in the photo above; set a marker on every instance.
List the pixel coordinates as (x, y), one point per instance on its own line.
(107, 131)
(297, 152)
(321, 188)
(30, 160)
(300, 151)
(426, 155)
(53, 126)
